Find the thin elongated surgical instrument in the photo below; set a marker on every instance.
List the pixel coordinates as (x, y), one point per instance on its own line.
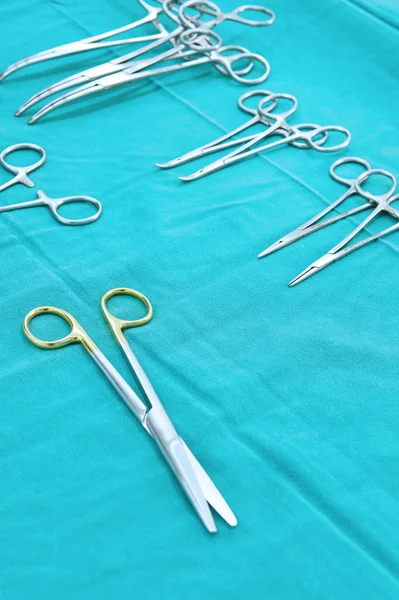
(196, 483)
(306, 135)
(383, 205)
(126, 61)
(126, 65)
(112, 66)
(224, 142)
(316, 223)
(96, 42)
(121, 70)
(213, 53)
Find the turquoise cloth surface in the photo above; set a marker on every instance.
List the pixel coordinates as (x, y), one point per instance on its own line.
(288, 397)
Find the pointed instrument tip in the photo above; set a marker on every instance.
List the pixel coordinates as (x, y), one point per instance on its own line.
(203, 511)
(302, 276)
(293, 283)
(281, 243)
(208, 170)
(25, 107)
(168, 165)
(7, 72)
(37, 116)
(268, 251)
(192, 177)
(297, 279)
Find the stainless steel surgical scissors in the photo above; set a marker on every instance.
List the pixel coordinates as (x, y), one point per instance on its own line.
(382, 204)
(95, 42)
(306, 135)
(197, 485)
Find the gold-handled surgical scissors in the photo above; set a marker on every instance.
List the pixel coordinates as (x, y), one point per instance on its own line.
(197, 485)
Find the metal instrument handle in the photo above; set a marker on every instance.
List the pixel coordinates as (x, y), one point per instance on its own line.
(118, 325)
(77, 335)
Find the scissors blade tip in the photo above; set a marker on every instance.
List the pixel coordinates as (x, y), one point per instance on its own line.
(293, 282)
(232, 521)
(211, 526)
(210, 491)
(178, 459)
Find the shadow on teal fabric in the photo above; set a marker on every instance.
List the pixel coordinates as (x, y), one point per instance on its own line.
(287, 396)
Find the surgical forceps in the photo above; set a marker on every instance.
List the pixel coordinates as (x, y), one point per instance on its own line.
(95, 42)
(213, 53)
(306, 135)
(382, 204)
(315, 223)
(21, 173)
(192, 40)
(197, 485)
(222, 143)
(53, 204)
(123, 62)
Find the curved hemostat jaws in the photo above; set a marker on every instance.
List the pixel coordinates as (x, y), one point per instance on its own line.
(92, 43)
